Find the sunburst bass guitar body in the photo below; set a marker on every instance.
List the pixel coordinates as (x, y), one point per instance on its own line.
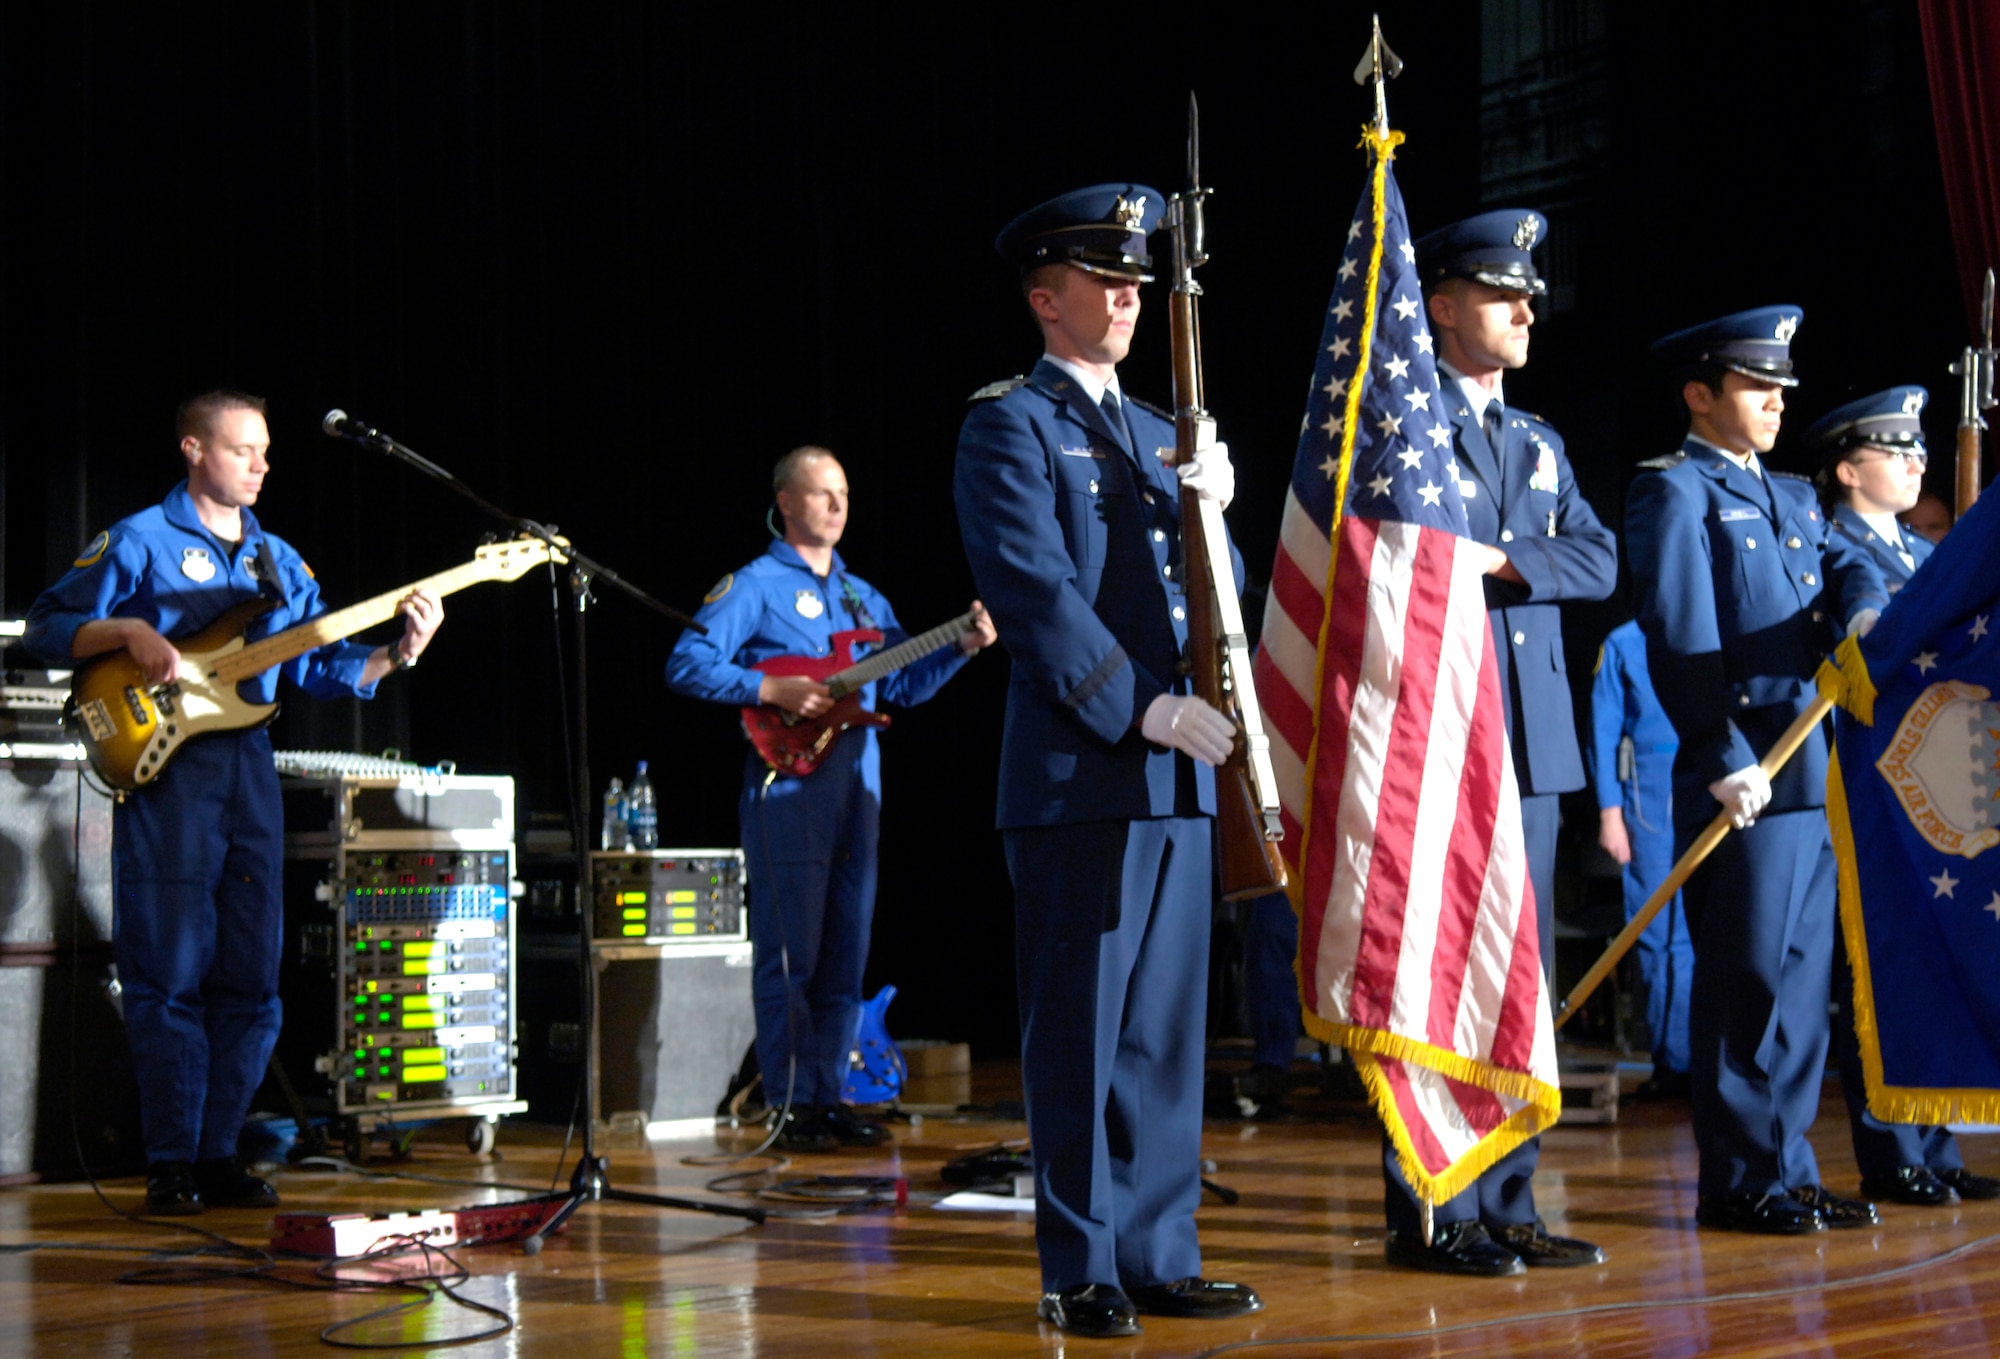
(131, 728)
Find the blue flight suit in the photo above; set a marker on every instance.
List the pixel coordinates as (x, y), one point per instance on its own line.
(1737, 583)
(1522, 498)
(809, 841)
(198, 853)
(1072, 528)
(1880, 1149)
(1631, 757)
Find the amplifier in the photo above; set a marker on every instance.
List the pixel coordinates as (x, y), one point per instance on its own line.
(399, 968)
(672, 1023)
(667, 896)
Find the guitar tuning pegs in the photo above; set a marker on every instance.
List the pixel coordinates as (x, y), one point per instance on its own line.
(488, 539)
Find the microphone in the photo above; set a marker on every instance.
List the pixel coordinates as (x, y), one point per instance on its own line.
(338, 424)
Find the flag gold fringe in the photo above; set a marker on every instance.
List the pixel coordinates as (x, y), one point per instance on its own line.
(1843, 677)
(1891, 1104)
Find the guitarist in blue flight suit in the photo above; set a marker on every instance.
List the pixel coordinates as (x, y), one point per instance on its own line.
(1872, 461)
(1545, 546)
(810, 840)
(1072, 525)
(198, 853)
(1739, 586)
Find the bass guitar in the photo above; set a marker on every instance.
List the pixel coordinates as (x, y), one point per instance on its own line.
(131, 728)
(792, 744)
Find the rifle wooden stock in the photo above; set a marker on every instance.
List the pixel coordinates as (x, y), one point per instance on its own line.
(1967, 469)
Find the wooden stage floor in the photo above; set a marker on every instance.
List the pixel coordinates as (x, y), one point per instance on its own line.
(1307, 1233)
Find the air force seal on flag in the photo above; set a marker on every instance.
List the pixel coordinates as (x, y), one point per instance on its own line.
(1940, 765)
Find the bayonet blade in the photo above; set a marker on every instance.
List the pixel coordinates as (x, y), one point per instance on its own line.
(1986, 310)
(1194, 164)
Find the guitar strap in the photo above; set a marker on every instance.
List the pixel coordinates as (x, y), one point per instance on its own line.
(856, 609)
(266, 571)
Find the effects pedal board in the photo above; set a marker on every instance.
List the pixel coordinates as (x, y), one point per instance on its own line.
(668, 896)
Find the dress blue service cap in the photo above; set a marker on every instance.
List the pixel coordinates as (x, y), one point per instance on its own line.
(1891, 419)
(1101, 230)
(1493, 248)
(1757, 344)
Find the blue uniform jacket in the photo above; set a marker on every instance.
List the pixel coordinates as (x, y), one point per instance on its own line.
(1525, 502)
(776, 606)
(1622, 704)
(1739, 586)
(1847, 523)
(1074, 540)
(163, 567)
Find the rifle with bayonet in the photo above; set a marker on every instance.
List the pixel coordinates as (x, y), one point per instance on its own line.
(1974, 370)
(1246, 786)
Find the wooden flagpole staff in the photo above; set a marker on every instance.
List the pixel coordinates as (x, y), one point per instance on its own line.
(1704, 845)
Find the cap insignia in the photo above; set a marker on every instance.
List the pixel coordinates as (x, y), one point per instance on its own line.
(1525, 232)
(1788, 326)
(1132, 215)
(1913, 403)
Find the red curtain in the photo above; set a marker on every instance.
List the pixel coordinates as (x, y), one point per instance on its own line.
(1962, 54)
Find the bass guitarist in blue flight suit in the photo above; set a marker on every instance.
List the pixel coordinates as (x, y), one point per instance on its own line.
(198, 852)
(1739, 587)
(1072, 525)
(810, 840)
(1631, 756)
(1545, 546)
(1872, 460)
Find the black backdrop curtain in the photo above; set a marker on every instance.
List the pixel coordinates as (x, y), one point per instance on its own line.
(1962, 53)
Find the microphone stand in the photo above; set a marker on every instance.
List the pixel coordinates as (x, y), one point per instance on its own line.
(591, 1180)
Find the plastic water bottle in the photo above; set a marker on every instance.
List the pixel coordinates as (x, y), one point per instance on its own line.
(613, 835)
(642, 814)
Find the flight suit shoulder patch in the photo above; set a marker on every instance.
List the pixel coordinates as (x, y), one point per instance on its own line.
(94, 553)
(1665, 464)
(993, 391)
(720, 588)
(1598, 669)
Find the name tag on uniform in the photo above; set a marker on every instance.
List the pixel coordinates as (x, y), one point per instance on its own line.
(1085, 452)
(1731, 516)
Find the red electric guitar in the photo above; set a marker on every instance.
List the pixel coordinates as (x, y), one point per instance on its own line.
(792, 744)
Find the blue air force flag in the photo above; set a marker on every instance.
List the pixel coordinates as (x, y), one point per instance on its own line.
(1914, 803)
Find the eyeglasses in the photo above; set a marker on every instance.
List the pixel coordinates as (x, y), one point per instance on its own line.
(1916, 457)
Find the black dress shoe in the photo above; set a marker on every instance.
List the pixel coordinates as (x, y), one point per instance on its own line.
(1532, 1242)
(226, 1184)
(1095, 1310)
(1663, 1086)
(805, 1130)
(1969, 1186)
(1914, 1185)
(1834, 1210)
(1455, 1248)
(852, 1130)
(1762, 1214)
(171, 1190)
(1203, 1298)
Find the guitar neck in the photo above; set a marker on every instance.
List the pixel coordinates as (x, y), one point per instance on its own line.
(257, 657)
(896, 657)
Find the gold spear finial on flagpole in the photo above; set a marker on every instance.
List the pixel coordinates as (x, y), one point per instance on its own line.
(1380, 65)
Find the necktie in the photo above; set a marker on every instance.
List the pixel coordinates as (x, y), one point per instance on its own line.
(1114, 411)
(1492, 425)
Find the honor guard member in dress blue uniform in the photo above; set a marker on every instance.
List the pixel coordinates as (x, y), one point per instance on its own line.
(1739, 586)
(1631, 756)
(1545, 546)
(810, 841)
(1072, 525)
(1872, 461)
(198, 851)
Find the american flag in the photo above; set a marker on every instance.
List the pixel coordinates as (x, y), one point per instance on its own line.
(1418, 947)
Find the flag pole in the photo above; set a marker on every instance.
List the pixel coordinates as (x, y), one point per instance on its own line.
(1704, 845)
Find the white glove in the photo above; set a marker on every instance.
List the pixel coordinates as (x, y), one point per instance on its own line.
(1743, 794)
(1211, 474)
(1863, 622)
(1188, 724)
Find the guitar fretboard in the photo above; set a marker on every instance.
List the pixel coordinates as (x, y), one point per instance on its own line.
(898, 656)
(259, 656)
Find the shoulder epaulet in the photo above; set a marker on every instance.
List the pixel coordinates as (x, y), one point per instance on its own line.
(1532, 416)
(993, 391)
(1665, 464)
(1790, 476)
(1144, 404)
